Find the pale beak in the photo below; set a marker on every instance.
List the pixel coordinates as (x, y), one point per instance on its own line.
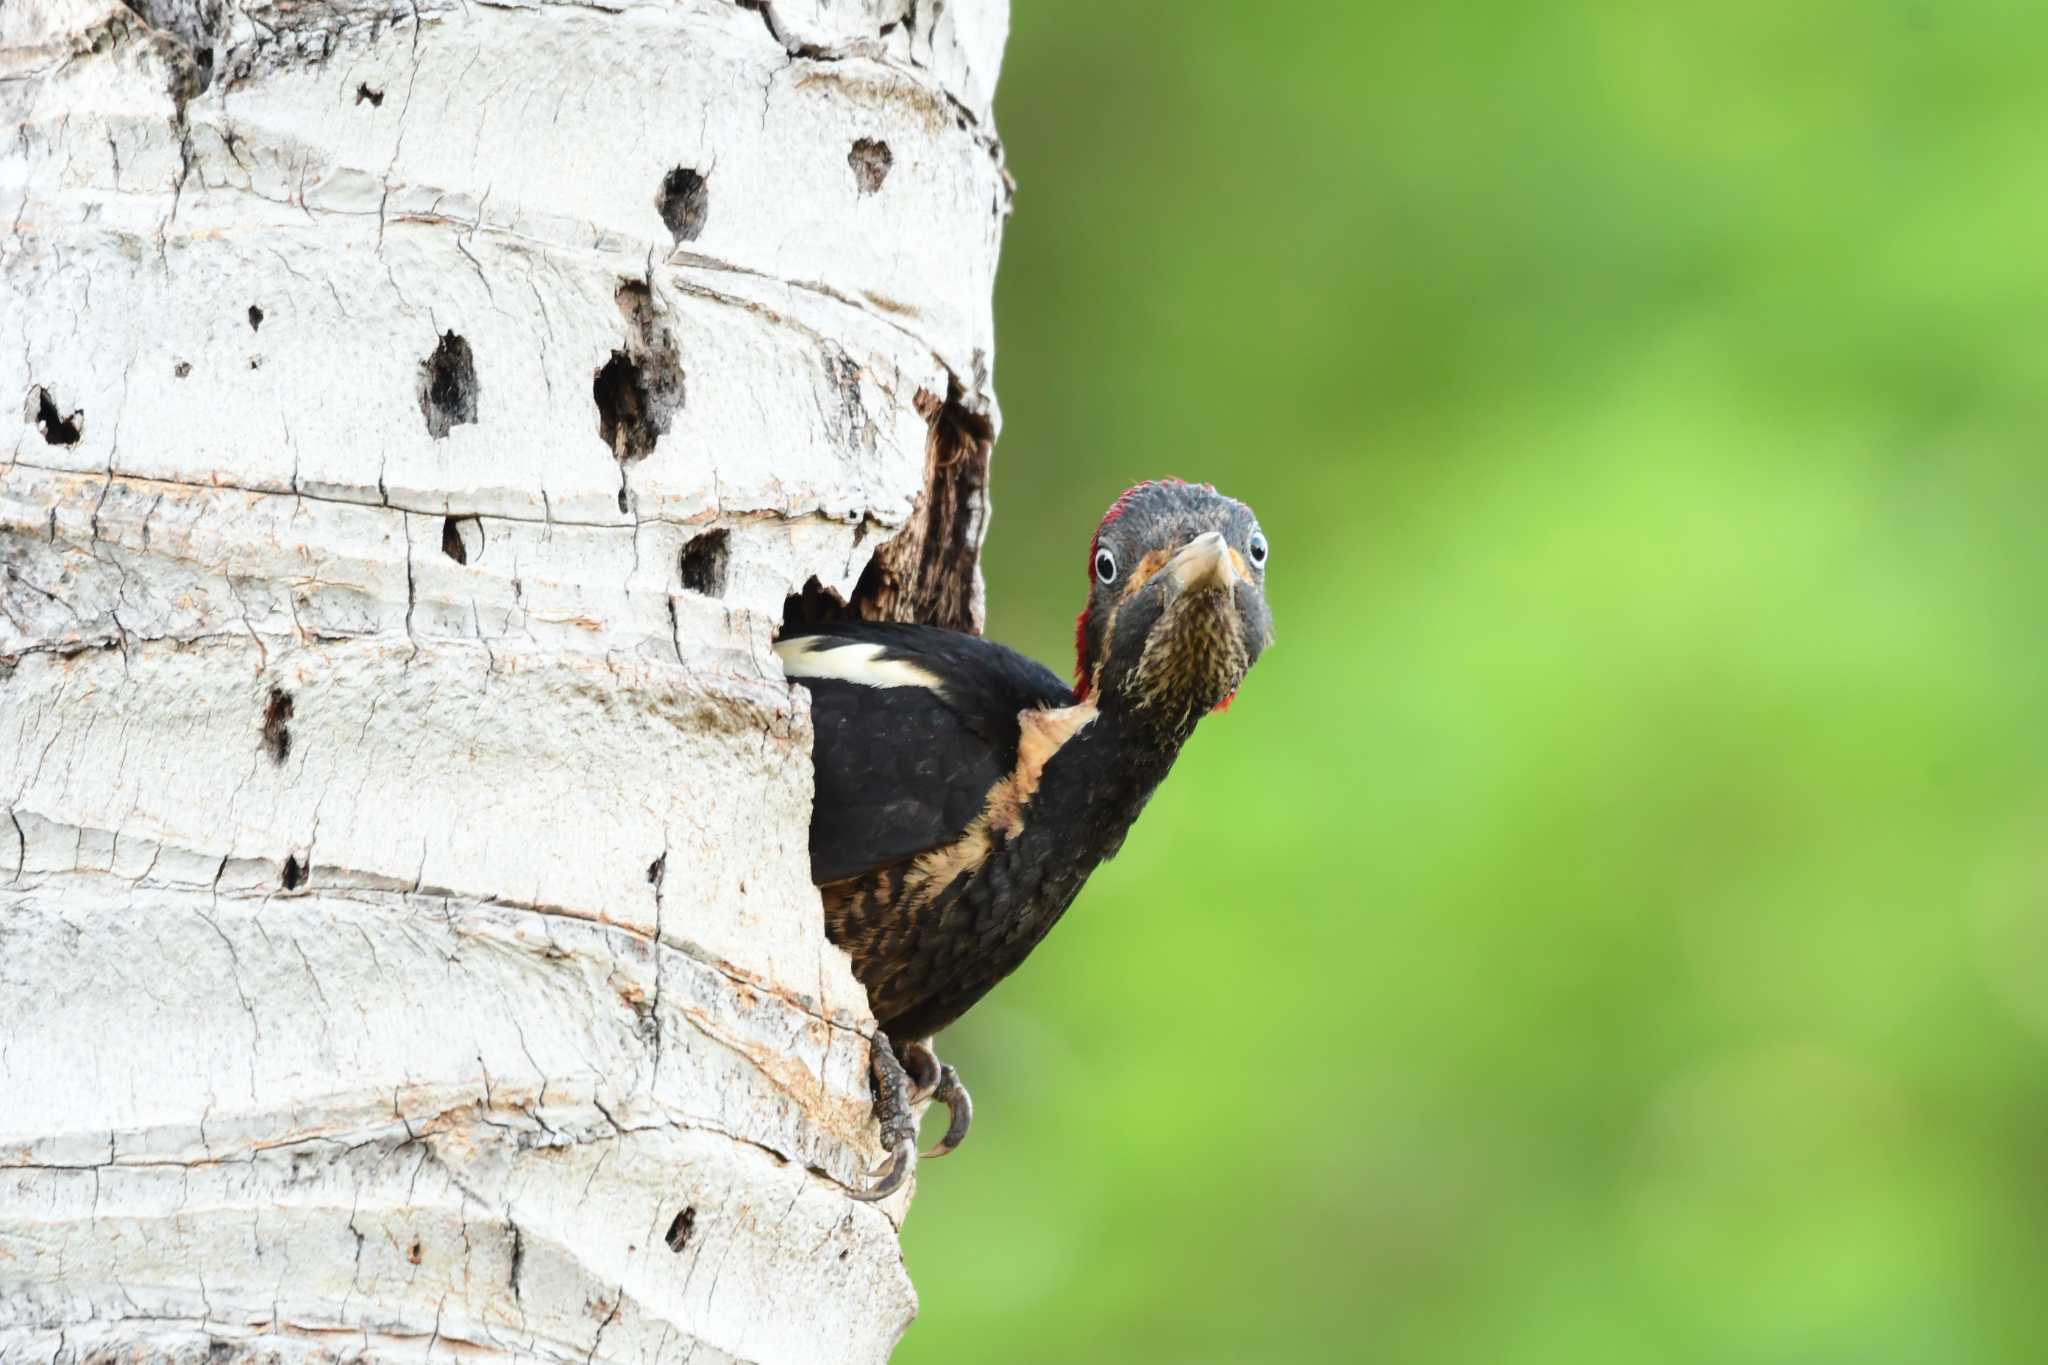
(1203, 564)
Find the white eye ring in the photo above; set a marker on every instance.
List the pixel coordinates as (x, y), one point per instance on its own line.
(1258, 547)
(1105, 565)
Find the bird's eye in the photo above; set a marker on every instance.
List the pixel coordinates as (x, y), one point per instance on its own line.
(1105, 565)
(1259, 548)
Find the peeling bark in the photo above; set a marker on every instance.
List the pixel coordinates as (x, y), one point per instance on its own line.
(407, 945)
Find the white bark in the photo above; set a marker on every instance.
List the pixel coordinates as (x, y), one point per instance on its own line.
(405, 928)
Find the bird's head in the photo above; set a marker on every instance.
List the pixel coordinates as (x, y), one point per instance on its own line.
(1176, 612)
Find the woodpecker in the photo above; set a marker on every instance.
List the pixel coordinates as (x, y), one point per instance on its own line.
(964, 792)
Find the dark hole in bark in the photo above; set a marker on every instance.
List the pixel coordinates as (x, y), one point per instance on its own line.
(639, 389)
(294, 873)
(462, 538)
(448, 387)
(182, 368)
(255, 362)
(816, 605)
(704, 560)
(623, 405)
(277, 733)
(375, 97)
(656, 869)
(414, 1252)
(57, 429)
(684, 200)
(678, 1235)
(255, 317)
(871, 159)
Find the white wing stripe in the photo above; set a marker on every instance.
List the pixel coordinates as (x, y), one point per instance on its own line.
(821, 656)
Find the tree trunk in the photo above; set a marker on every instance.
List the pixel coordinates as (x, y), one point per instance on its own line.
(407, 945)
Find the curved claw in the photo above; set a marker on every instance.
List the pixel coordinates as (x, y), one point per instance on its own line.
(893, 1114)
(959, 1109)
(889, 1177)
(921, 1064)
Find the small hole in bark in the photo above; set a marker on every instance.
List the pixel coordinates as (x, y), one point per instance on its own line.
(639, 389)
(684, 200)
(277, 734)
(678, 1235)
(255, 317)
(634, 407)
(255, 362)
(414, 1252)
(57, 429)
(182, 368)
(375, 97)
(294, 873)
(871, 160)
(704, 561)
(462, 538)
(448, 387)
(655, 870)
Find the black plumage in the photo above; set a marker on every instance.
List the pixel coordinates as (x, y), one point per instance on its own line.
(905, 769)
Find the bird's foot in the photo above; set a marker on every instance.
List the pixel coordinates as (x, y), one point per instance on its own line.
(901, 1084)
(897, 1121)
(932, 1079)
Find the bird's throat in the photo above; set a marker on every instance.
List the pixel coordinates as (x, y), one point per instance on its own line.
(1193, 659)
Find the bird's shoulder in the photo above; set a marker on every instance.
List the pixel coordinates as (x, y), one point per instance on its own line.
(914, 727)
(977, 678)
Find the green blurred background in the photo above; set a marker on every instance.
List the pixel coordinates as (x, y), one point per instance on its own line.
(1613, 923)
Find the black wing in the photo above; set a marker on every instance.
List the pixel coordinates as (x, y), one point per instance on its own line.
(914, 725)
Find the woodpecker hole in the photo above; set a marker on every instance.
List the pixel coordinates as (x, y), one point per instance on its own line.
(622, 409)
(294, 872)
(684, 200)
(57, 429)
(462, 538)
(182, 368)
(640, 388)
(277, 733)
(704, 560)
(375, 97)
(414, 1252)
(816, 605)
(925, 572)
(448, 387)
(255, 317)
(871, 159)
(678, 1234)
